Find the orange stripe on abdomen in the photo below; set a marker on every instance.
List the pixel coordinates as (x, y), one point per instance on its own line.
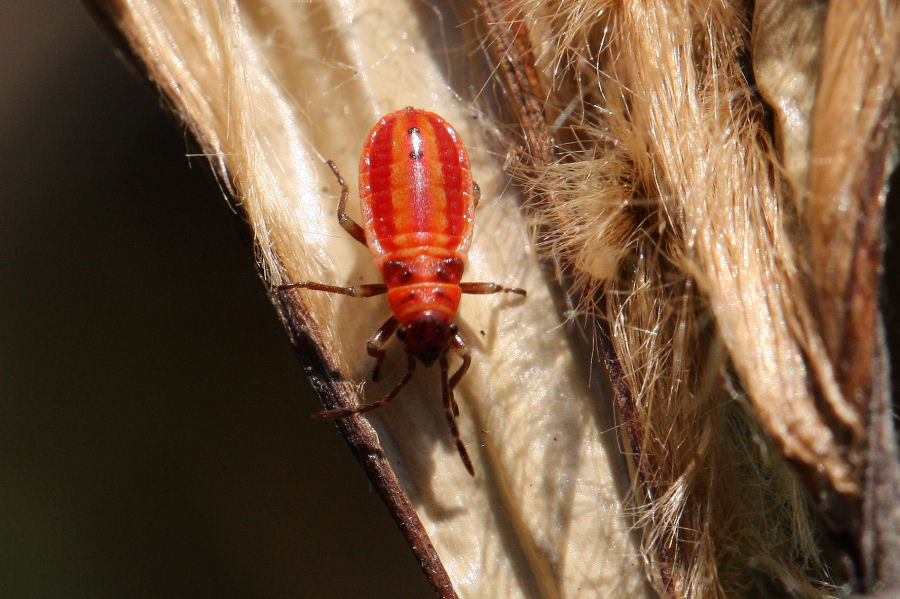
(375, 184)
(415, 179)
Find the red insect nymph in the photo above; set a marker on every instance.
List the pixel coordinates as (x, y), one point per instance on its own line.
(417, 200)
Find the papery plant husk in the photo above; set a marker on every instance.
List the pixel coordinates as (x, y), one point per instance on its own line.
(704, 182)
(716, 191)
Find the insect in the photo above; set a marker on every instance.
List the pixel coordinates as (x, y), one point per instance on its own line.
(417, 200)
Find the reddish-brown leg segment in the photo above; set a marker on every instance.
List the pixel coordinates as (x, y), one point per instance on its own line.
(375, 345)
(355, 291)
(344, 412)
(462, 350)
(358, 234)
(451, 409)
(485, 288)
(344, 219)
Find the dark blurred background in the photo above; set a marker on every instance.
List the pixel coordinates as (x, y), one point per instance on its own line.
(155, 438)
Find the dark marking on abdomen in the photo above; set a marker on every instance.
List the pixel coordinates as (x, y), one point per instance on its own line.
(417, 143)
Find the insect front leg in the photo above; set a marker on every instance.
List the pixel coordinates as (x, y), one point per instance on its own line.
(344, 219)
(451, 410)
(344, 412)
(485, 288)
(463, 351)
(376, 344)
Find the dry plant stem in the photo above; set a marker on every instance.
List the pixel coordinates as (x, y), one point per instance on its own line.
(844, 209)
(829, 72)
(509, 45)
(632, 433)
(880, 536)
(833, 108)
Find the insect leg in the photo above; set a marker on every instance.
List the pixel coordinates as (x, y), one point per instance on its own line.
(451, 410)
(476, 193)
(376, 344)
(462, 350)
(344, 219)
(344, 412)
(354, 291)
(485, 288)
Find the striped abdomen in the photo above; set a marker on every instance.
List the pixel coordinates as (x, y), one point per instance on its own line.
(417, 205)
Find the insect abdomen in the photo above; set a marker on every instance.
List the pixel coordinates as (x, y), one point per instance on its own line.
(416, 196)
(415, 186)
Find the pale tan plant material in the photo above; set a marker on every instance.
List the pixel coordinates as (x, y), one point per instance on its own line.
(270, 88)
(836, 145)
(731, 278)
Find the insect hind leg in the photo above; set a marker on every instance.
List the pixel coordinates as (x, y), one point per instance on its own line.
(344, 412)
(375, 345)
(354, 291)
(351, 226)
(463, 351)
(486, 288)
(451, 410)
